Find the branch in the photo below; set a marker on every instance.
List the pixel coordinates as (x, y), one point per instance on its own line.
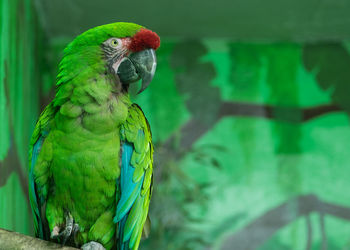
(260, 230)
(323, 232)
(309, 232)
(11, 164)
(12, 240)
(194, 129)
(287, 114)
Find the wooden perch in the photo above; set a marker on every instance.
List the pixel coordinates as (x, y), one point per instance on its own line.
(16, 241)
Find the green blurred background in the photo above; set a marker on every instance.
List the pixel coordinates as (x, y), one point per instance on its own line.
(249, 110)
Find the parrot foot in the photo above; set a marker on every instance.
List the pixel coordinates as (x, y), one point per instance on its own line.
(93, 245)
(70, 230)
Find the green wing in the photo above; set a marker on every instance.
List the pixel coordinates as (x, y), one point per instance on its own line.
(38, 171)
(135, 183)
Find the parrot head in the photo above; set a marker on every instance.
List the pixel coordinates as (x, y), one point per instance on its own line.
(124, 50)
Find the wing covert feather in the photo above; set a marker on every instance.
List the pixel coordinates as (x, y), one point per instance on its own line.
(37, 192)
(136, 178)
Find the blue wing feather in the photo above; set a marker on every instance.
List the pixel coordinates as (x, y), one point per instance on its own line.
(36, 201)
(134, 183)
(123, 245)
(129, 192)
(129, 189)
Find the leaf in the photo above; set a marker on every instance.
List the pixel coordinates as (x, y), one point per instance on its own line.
(193, 79)
(331, 64)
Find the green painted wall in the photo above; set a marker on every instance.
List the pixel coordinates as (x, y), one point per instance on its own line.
(250, 138)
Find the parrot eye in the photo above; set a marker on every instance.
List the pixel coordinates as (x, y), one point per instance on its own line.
(115, 42)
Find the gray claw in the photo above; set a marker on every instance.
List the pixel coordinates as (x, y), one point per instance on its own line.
(76, 229)
(70, 229)
(64, 235)
(92, 245)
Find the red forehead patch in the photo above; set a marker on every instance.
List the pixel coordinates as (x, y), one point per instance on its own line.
(144, 39)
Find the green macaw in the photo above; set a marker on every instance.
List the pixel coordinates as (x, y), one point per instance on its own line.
(91, 153)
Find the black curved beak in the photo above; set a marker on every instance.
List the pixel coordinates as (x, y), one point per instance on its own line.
(139, 65)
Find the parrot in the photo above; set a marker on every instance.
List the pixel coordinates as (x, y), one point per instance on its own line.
(91, 153)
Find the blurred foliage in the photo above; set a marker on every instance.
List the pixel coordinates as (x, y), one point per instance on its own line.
(330, 64)
(21, 69)
(218, 175)
(193, 79)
